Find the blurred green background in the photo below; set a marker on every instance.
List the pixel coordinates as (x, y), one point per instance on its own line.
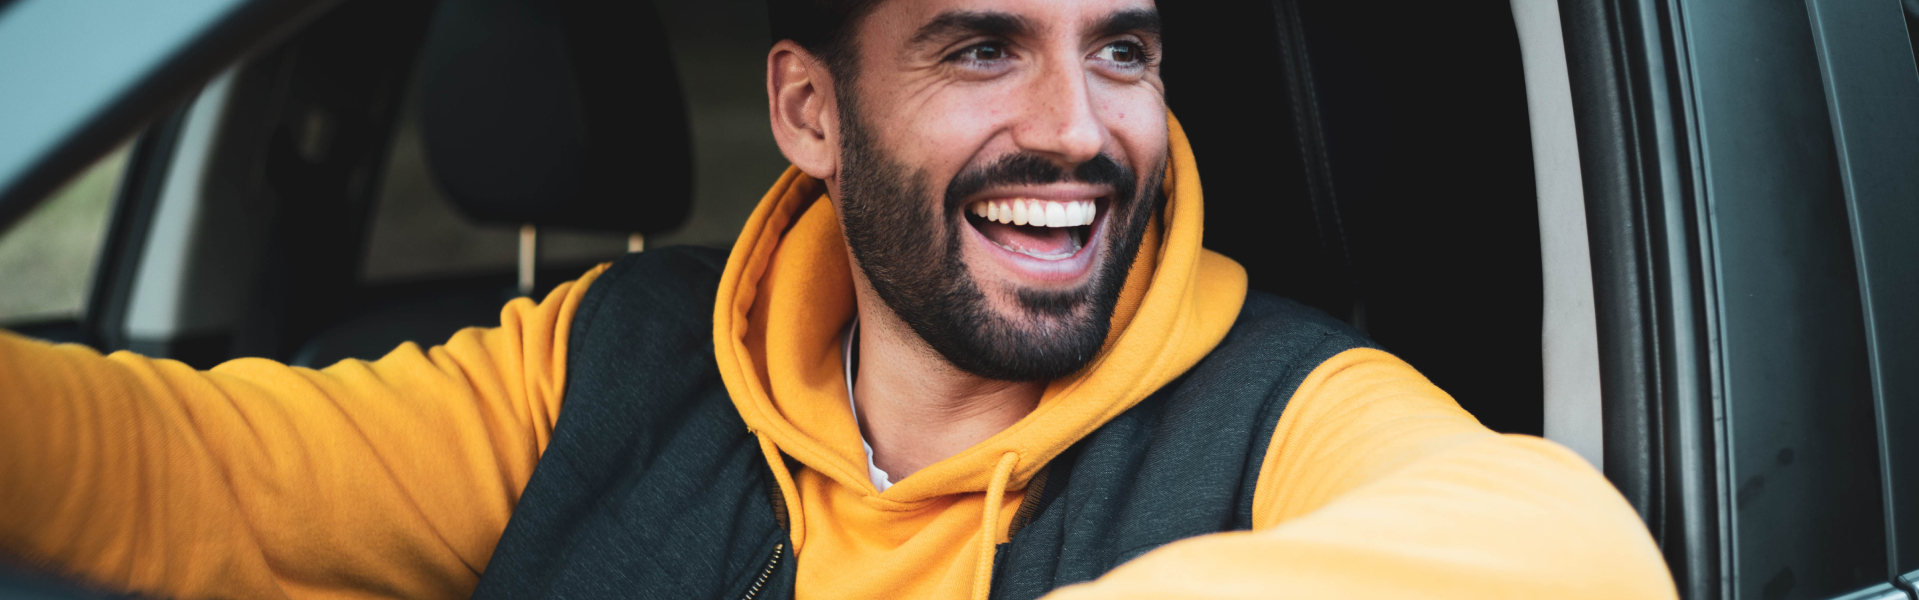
(47, 258)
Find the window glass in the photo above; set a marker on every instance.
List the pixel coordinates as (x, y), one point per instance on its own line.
(47, 259)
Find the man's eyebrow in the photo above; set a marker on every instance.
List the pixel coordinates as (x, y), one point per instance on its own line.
(1135, 20)
(956, 23)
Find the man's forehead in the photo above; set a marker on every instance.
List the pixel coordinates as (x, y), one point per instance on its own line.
(918, 18)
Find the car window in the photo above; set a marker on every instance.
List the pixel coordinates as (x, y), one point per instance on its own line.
(47, 259)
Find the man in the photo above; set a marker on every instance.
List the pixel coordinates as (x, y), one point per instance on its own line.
(969, 346)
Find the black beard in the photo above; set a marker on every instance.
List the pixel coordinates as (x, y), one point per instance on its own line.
(917, 268)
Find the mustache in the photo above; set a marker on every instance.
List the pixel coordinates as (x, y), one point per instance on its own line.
(1026, 168)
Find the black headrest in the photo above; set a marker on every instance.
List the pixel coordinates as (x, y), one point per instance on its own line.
(556, 112)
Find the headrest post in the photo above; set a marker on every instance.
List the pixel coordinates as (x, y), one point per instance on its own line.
(636, 242)
(529, 256)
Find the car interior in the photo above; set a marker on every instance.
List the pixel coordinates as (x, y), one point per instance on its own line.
(381, 174)
(320, 180)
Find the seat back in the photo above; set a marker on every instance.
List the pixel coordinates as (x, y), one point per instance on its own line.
(556, 112)
(535, 112)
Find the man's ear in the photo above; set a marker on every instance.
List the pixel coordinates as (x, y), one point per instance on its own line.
(799, 94)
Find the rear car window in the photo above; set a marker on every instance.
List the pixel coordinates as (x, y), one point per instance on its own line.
(47, 259)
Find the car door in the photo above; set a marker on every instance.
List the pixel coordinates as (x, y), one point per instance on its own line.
(1749, 177)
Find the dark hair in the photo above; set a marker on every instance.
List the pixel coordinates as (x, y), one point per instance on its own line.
(822, 27)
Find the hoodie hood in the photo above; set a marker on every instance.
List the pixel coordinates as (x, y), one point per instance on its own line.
(787, 292)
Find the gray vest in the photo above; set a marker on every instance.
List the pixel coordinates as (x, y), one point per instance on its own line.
(653, 488)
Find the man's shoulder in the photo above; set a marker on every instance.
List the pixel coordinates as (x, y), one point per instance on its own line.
(1273, 344)
(693, 264)
(1268, 322)
(667, 285)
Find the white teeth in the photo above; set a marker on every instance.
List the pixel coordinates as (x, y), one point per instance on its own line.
(1038, 213)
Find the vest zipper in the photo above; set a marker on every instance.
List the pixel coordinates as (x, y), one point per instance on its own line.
(772, 563)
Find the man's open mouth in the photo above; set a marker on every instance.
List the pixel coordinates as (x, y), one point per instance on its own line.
(1042, 229)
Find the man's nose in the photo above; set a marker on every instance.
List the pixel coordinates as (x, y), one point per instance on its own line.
(1059, 120)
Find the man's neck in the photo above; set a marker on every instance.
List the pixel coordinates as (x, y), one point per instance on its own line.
(915, 408)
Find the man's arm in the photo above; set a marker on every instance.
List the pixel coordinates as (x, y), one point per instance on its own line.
(1378, 485)
(259, 480)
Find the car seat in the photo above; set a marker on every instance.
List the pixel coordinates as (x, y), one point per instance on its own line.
(536, 113)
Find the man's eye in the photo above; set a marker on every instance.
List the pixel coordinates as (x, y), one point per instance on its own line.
(989, 51)
(1122, 52)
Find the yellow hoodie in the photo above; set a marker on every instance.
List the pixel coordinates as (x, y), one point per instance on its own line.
(394, 478)
(786, 294)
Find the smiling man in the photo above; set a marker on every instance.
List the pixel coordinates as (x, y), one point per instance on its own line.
(968, 346)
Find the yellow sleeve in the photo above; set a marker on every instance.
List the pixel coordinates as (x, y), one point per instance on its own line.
(1377, 485)
(390, 478)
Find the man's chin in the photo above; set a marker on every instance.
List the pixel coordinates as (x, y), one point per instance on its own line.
(1032, 347)
(1011, 332)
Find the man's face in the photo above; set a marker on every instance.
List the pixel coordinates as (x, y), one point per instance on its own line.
(1000, 160)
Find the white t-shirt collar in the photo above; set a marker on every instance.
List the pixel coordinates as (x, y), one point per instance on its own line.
(881, 480)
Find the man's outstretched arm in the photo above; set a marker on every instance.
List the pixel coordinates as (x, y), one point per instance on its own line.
(259, 480)
(1378, 485)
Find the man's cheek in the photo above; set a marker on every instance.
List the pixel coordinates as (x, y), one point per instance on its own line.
(1140, 110)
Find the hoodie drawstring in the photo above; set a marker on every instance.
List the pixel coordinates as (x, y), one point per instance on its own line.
(989, 522)
(989, 525)
(795, 526)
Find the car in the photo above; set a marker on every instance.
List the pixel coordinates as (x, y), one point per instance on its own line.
(1680, 237)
